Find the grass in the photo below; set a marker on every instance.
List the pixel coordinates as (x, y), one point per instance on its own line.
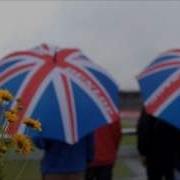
(13, 170)
(31, 171)
(129, 140)
(121, 170)
(126, 123)
(15, 164)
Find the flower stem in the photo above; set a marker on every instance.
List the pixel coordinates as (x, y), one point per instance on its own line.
(21, 170)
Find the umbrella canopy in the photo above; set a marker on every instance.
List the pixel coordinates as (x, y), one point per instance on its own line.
(160, 87)
(66, 91)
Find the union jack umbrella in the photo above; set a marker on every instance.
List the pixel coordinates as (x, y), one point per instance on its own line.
(160, 87)
(66, 91)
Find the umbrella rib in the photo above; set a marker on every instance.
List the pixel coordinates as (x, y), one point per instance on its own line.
(70, 108)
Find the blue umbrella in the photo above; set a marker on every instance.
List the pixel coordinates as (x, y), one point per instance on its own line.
(65, 90)
(160, 87)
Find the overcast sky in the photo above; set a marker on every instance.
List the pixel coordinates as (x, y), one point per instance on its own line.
(123, 37)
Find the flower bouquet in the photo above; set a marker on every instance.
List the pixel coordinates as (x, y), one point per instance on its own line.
(20, 143)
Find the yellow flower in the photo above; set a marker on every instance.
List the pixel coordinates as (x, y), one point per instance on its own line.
(5, 95)
(11, 116)
(35, 124)
(23, 144)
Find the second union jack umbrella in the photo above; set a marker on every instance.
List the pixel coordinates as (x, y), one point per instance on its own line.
(160, 87)
(66, 91)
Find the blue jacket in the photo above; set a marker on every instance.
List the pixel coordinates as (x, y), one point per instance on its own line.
(60, 157)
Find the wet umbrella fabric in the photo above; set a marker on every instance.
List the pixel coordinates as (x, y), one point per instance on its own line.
(160, 87)
(66, 91)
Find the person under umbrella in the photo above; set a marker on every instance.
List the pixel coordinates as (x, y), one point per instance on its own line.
(62, 161)
(106, 145)
(158, 133)
(158, 145)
